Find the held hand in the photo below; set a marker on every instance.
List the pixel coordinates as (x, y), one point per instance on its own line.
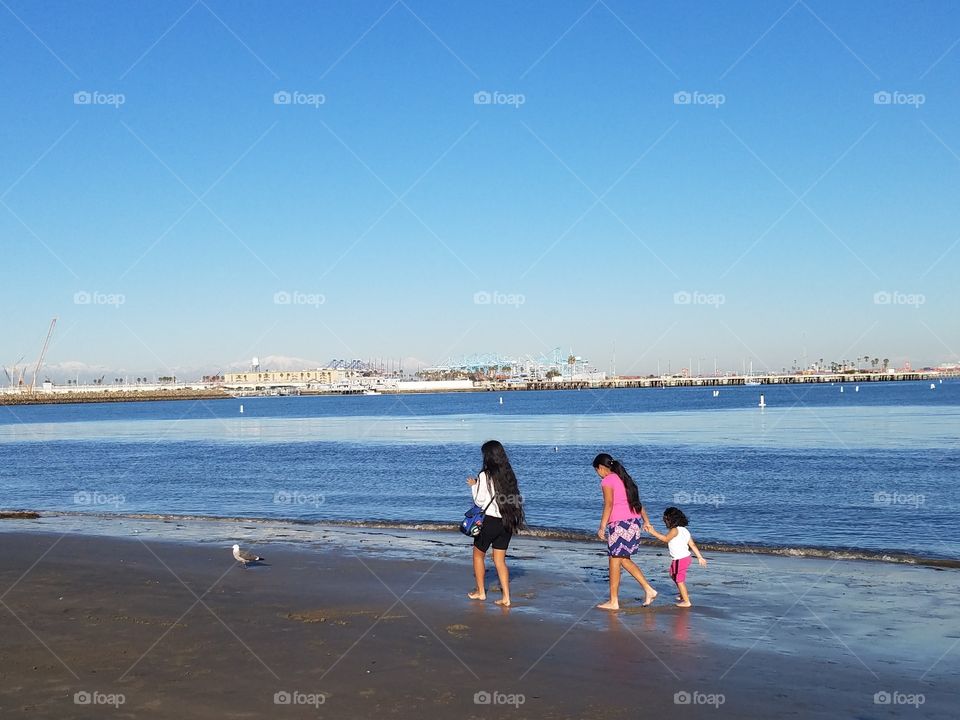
(471, 481)
(602, 533)
(702, 561)
(648, 527)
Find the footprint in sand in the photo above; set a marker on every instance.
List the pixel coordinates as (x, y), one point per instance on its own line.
(458, 631)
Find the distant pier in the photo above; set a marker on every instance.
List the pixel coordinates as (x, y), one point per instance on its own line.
(381, 386)
(715, 382)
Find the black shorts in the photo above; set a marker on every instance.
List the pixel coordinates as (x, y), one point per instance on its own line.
(492, 532)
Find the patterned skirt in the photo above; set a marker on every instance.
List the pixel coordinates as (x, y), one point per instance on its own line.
(623, 537)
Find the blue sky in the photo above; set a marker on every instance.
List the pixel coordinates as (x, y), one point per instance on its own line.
(167, 221)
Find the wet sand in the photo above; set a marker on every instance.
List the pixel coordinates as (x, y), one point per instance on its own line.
(376, 624)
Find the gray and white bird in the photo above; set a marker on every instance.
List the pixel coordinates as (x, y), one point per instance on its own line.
(245, 557)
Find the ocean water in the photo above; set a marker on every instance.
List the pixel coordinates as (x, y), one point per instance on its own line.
(873, 471)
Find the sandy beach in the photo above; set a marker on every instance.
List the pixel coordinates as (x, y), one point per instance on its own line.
(354, 623)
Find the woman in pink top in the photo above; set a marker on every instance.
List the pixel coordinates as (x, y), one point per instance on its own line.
(620, 525)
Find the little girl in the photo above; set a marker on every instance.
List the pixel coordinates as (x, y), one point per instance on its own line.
(680, 544)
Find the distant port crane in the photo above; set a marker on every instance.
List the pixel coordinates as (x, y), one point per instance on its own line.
(12, 376)
(43, 352)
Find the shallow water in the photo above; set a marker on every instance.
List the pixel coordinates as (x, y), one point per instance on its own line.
(862, 470)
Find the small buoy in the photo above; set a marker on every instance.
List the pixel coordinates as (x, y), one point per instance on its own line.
(763, 403)
(501, 399)
(856, 389)
(932, 386)
(841, 388)
(241, 409)
(716, 393)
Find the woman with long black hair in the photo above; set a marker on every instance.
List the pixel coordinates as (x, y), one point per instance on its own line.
(495, 488)
(620, 526)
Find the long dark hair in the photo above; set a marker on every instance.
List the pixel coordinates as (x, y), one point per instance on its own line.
(615, 466)
(497, 468)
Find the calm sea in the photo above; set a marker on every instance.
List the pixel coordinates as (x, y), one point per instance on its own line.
(874, 469)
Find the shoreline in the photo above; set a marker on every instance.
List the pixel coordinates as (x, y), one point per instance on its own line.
(100, 523)
(220, 392)
(377, 623)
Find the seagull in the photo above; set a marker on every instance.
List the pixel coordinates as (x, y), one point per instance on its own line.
(245, 557)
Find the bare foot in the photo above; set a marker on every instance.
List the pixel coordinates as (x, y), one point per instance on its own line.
(505, 602)
(609, 605)
(650, 597)
(477, 595)
(685, 604)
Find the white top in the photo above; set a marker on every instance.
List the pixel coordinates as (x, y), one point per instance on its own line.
(678, 546)
(482, 492)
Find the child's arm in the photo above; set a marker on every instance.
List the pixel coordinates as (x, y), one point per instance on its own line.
(662, 538)
(607, 509)
(696, 551)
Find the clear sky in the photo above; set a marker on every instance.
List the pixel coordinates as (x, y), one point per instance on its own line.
(678, 180)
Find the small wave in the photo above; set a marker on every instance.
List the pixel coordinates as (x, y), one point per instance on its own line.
(543, 533)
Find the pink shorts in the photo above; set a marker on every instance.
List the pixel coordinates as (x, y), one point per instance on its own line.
(678, 569)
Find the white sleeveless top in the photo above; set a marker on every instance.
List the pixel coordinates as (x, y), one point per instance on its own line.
(678, 546)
